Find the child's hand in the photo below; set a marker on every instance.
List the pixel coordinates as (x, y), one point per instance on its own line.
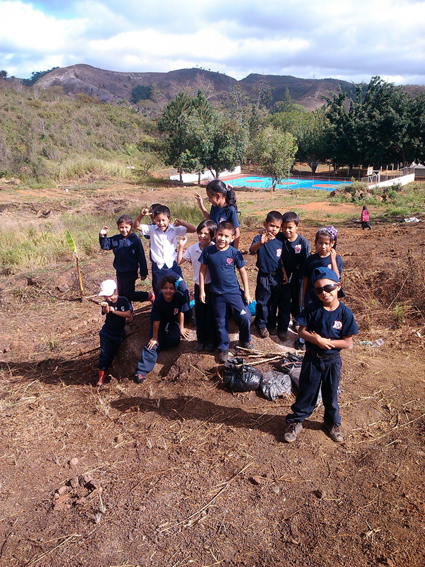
(145, 211)
(202, 296)
(199, 200)
(184, 333)
(151, 297)
(333, 254)
(182, 241)
(322, 342)
(151, 344)
(177, 222)
(248, 298)
(104, 231)
(104, 304)
(267, 236)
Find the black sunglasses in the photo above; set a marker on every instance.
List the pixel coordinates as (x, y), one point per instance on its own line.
(328, 288)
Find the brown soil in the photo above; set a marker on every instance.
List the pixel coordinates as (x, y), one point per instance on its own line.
(179, 471)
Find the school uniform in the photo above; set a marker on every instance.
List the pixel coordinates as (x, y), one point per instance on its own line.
(312, 262)
(294, 255)
(269, 285)
(227, 213)
(129, 259)
(225, 292)
(112, 332)
(205, 325)
(167, 312)
(322, 367)
(164, 255)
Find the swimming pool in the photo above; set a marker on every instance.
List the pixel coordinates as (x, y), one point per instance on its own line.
(292, 183)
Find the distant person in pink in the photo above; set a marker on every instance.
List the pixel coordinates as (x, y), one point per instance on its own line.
(365, 218)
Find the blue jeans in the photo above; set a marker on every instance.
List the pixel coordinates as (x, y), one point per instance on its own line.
(317, 371)
(242, 316)
(168, 337)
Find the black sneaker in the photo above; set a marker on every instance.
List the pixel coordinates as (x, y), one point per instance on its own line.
(273, 332)
(282, 336)
(292, 430)
(248, 346)
(139, 378)
(263, 332)
(209, 347)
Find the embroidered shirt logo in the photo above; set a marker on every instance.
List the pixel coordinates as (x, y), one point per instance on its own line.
(297, 248)
(176, 311)
(230, 261)
(337, 325)
(279, 252)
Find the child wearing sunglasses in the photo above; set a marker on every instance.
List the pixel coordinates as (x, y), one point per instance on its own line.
(327, 326)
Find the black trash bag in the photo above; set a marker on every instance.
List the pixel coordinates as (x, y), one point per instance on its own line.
(241, 377)
(274, 384)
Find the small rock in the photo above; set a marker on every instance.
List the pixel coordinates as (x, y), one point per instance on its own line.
(63, 490)
(73, 462)
(85, 479)
(119, 438)
(319, 493)
(92, 485)
(59, 502)
(6, 349)
(81, 500)
(257, 480)
(276, 489)
(74, 482)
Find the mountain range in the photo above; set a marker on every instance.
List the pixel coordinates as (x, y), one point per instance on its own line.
(114, 86)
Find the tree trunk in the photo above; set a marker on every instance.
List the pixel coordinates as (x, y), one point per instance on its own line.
(274, 184)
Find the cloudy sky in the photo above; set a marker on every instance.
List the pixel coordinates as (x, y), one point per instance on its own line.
(345, 39)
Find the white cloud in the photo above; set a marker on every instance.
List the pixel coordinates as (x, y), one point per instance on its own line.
(345, 39)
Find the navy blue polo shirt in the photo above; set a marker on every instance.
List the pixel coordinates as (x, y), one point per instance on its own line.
(335, 324)
(168, 311)
(294, 254)
(222, 264)
(268, 255)
(312, 262)
(227, 213)
(128, 252)
(114, 323)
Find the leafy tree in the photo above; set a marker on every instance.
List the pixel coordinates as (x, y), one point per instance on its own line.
(275, 152)
(141, 93)
(3, 74)
(35, 75)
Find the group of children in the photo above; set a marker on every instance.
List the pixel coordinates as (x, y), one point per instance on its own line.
(290, 282)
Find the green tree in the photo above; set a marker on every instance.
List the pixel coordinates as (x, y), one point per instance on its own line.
(275, 152)
(141, 93)
(3, 74)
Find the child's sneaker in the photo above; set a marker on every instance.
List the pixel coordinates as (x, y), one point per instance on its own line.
(200, 347)
(273, 332)
(139, 378)
(223, 355)
(248, 346)
(209, 347)
(263, 332)
(282, 336)
(292, 430)
(335, 433)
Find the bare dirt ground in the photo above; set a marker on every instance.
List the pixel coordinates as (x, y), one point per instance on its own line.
(179, 471)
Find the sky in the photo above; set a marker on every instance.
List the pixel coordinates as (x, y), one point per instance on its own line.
(342, 39)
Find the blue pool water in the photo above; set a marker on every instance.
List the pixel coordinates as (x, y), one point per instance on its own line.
(292, 183)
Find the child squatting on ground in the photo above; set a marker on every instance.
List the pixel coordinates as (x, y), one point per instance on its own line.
(117, 309)
(167, 325)
(129, 258)
(327, 326)
(224, 208)
(221, 259)
(205, 324)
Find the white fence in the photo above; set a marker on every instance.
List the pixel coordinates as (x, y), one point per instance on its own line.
(194, 177)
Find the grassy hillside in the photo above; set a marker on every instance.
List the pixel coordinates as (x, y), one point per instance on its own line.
(46, 135)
